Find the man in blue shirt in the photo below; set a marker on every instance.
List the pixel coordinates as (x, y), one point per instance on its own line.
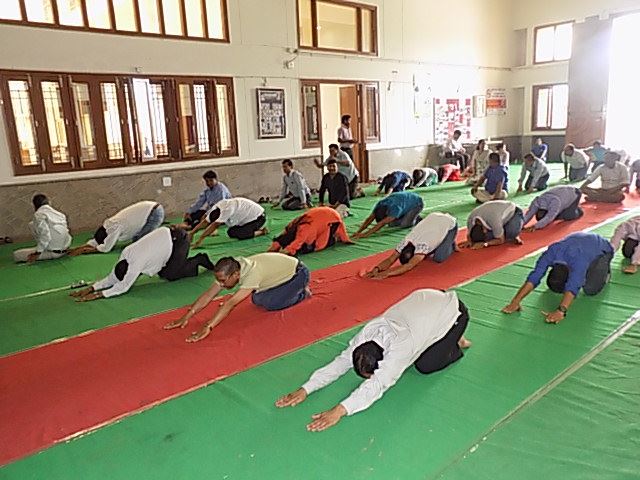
(579, 261)
(596, 153)
(495, 180)
(211, 195)
(395, 181)
(558, 203)
(401, 209)
(540, 149)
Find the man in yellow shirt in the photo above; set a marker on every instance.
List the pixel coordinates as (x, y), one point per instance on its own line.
(275, 281)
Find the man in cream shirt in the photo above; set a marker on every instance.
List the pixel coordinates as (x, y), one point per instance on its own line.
(576, 163)
(275, 281)
(614, 178)
(424, 329)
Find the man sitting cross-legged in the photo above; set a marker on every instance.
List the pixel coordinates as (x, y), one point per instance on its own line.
(425, 329)
(614, 177)
(495, 180)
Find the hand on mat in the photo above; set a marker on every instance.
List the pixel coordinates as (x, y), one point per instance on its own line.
(512, 308)
(553, 317)
(33, 257)
(478, 246)
(324, 420)
(81, 293)
(529, 229)
(292, 399)
(89, 297)
(200, 334)
(177, 323)
(465, 244)
(518, 241)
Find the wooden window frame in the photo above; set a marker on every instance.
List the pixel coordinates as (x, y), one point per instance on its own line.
(306, 143)
(131, 150)
(314, 27)
(139, 33)
(366, 91)
(534, 108)
(535, 42)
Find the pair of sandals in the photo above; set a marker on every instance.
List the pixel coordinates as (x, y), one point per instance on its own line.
(5, 240)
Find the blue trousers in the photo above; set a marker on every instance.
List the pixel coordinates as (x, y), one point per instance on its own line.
(513, 227)
(154, 220)
(447, 247)
(409, 219)
(286, 295)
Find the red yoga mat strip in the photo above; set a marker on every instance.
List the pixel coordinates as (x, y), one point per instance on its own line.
(60, 390)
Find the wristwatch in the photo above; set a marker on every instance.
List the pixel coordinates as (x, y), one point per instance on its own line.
(563, 309)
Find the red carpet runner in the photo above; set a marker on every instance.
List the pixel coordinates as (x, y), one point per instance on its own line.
(54, 392)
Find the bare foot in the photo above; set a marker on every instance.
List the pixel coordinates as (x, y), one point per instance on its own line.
(307, 293)
(518, 241)
(631, 269)
(464, 343)
(261, 232)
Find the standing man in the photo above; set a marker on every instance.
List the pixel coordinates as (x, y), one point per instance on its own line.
(540, 149)
(130, 223)
(579, 261)
(244, 218)
(163, 252)
(211, 195)
(274, 281)
(295, 193)
(576, 163)
(614, 178)
(337, 185)
(425, 329)
(538, 174)
(424, 177)
(453, 149)
(345, 167)
(400, 209)
(345, 137)
(629, 232)
(50, 231)
(493, 223)
(496, 182)
(434, 235)
(558, 203)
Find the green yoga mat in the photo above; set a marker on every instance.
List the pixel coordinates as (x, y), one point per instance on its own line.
(34, 303)
(424, 424)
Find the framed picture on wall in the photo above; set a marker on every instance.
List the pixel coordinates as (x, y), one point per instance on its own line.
(271, 113)
(479, 106)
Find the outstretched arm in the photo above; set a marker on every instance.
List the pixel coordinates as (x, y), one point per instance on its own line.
(220, 315)
(208, 231)
(375, 228)
(515, 306)
(364, 225)
(410, 265)
(384, 265)
(202, 301)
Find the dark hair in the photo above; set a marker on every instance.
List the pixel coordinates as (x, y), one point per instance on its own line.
(365, 358)
(344, 118)
(500, 145)
(210, 175)
(39, 200)
(388, 182)
(557, 278)
(121, 269)
(477, 234)
(334, 145)
(482, 140)
(379, 212)
(214, 215)
(529, 155)
(457, 132)
(540, 214)
(227, 266)
(100, 235)
(407, 253)
(287, 162)
(290, 231)
(331, 161)
(629, 247)
(493, 156)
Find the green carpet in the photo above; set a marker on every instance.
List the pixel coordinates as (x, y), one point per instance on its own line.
(231, 430)
(25, 323)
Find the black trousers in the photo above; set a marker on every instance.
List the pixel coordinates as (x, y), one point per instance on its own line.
(246, 231)
(196, 218)
(179, 266)
(629, 247)
(446, 350)
(348, 151)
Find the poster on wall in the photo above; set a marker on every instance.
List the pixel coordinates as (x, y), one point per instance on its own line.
(451, 114)
(479, 106)
(496, 101)
(271, 113)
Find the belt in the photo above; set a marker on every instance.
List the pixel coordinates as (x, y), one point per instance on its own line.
(58, 251)
(155, 207)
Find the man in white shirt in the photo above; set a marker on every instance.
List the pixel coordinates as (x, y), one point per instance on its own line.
(275, 281)
(131, 223)
(345, 166)
(424, 329)
(163, 252)
(295, 193)
(634, 174)
(629, 233)
(538, 174)
(501, 149)
(50, 231)
(614, 178)
(345, 137)
(453, 149)
(424, 177)
(493, 223)
(576, 163)
(244, 218)
(434, 235)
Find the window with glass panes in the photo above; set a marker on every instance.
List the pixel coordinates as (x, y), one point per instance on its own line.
(550, 107)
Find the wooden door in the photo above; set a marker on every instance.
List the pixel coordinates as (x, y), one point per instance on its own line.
(349, 105)
(588, 82)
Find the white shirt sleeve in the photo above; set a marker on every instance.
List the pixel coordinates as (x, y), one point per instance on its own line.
(42, 233)
(331, 372)
(595, 174)
(621, 232)
(114, 287)
(113, 233)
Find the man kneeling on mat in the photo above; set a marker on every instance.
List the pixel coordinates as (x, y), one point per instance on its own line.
(579, 261)
(396, 181)
(244, 218)
(163, 251)
(493, 223)
(558, 203)
(315, 230)
(436, 235)
(424, 329)
(274, 281)
(629, 232)
(400, 209)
